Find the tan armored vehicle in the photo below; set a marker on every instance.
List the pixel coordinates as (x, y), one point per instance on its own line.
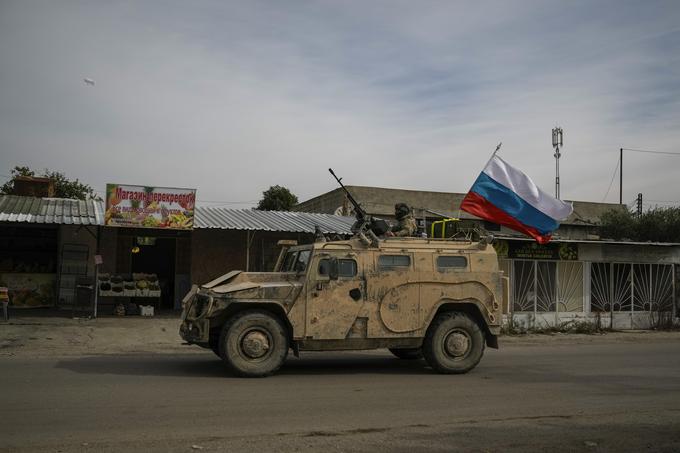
(432, 298)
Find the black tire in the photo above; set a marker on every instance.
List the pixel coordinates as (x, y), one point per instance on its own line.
(454, 343)
(407, 353)
(214, 343)
(254, 343)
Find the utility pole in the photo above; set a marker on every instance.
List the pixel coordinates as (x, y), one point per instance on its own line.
(639, 205)
(557, 142)
(620, 175)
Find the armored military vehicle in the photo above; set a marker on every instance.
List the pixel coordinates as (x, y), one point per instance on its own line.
(436, 299)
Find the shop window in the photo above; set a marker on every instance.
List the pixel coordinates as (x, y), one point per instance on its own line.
(610, 287)
(523, 286)
(600, 287)
(391, 262)
(570, 286)
(547, 286)
(652, 287)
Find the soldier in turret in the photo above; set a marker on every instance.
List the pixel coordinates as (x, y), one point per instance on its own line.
(407, 223)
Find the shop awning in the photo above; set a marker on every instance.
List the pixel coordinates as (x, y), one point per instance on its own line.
(252, 219)
(63, 211)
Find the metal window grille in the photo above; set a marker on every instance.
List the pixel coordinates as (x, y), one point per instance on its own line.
(631, 287)
(570, 286)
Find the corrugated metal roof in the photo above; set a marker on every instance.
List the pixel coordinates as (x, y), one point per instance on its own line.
(252, 219)
(14, 208)
(19, 209)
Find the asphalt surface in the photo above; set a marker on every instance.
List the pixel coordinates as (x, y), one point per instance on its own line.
(571, 397)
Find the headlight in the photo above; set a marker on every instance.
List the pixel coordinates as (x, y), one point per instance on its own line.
(201, 305)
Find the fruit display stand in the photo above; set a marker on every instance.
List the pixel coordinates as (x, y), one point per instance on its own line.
(134, 286)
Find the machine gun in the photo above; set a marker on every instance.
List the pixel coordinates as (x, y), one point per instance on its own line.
(365, 225)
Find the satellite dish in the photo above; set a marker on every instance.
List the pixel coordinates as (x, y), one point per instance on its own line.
(88, 81)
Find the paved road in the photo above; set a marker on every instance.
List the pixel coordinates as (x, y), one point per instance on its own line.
(595, 397)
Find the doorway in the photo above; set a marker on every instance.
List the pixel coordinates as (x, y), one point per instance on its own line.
(156, 255)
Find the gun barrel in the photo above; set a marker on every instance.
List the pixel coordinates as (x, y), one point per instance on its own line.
(357, 207)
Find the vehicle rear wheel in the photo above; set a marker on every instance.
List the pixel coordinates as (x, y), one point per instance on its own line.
(254, 343)
(454, 343)
(407, 353)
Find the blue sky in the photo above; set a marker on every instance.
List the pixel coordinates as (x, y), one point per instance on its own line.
(232, 97)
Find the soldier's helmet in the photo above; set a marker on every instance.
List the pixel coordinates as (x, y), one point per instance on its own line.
(401, 210)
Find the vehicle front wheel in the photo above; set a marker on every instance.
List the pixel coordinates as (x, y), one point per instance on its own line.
(454, 343)
(407, 353)
(214, 343)
(254, 343)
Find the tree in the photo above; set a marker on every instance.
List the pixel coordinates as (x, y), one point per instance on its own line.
(63, 187)
(277, 198)
(656, 225)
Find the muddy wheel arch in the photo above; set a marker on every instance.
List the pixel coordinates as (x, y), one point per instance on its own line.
(237, 307)
(471, 307)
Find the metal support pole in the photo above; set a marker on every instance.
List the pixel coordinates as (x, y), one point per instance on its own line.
(620, 175)
(557, 135)
(96, 274)
(557, 172)
(247, 250)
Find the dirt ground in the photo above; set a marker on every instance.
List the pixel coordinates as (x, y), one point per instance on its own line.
(28, 336)
(44, 337)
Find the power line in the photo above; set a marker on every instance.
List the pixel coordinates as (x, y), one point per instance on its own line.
(612, 181)
(668, 153)
(226, 202)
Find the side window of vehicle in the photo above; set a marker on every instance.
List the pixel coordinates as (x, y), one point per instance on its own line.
(302, 260)
(324, 267)
(448, 262)
(346, 267)
(289, 262)
(391, 262)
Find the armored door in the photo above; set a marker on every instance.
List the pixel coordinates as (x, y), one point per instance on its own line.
(335, 294)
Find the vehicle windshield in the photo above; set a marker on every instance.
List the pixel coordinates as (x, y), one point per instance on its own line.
(296, 261)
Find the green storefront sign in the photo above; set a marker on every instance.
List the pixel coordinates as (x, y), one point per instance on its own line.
(524, 250)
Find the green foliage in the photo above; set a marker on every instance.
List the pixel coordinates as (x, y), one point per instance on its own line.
(277, 198)
(63, 187)
(655, 225)
(617, 224)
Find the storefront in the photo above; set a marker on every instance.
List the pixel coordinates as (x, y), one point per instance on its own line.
(28, 264)
(145, 247)
(619, 285)
(46, 244)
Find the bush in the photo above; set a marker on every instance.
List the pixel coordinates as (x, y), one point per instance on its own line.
(655, 225)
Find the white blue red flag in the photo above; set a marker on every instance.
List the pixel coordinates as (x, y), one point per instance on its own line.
(504, 195)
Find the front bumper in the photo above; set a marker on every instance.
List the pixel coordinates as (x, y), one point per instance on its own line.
(195, 331)
(195, 327)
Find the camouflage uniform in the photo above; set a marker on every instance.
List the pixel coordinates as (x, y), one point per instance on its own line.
(406, 227)
(407, 223)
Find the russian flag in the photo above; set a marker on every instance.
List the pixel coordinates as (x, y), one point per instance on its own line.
(502, 194)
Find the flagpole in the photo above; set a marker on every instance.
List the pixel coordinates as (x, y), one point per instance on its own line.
(494, 154)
